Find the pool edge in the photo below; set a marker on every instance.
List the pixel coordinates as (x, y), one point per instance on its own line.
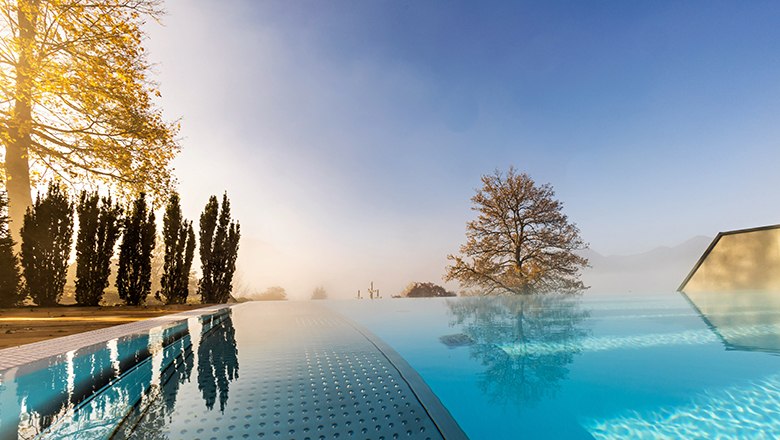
(13, 357)
(439, 414)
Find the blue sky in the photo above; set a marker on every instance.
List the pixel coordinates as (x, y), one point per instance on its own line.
(351, 135)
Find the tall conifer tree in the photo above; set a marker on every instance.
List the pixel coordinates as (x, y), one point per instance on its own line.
(134, 277)
(219, 238)
(10, 289)
(179, 240)
(99, 229)
(47, 235)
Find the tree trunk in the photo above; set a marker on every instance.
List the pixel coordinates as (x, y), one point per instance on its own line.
(17, 165)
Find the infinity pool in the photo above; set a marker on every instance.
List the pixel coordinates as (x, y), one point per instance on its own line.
(664, 366)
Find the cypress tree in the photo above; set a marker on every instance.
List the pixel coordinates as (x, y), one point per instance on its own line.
(134, 277)
(47, 235)
(208, 223)
(189, 255)
(10, 289)
(219, 238)
(179, 240)
(99, 229)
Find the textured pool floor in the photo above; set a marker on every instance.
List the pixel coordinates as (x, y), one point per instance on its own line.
(301, 371)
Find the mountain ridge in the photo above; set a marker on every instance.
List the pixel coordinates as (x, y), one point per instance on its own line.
(660, 269)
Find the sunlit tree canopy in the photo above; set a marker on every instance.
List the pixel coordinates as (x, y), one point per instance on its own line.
(77, 103)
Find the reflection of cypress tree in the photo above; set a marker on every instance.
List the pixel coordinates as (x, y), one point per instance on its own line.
(160, 401)
(217, 363)
(44, 393)
(148, 420)
(131, 351)
(536, 319)
(92, 372)
(180, 361)
(152, 424)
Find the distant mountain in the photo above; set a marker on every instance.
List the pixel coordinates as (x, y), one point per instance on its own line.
(659, 270)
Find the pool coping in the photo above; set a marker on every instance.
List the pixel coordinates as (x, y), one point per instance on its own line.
(13, 357)
(437, 412)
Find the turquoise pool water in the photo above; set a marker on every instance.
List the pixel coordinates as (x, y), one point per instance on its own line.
(94, 392)
(663, 366)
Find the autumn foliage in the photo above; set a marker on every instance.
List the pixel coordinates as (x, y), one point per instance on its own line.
(521, 242)
(77, 100)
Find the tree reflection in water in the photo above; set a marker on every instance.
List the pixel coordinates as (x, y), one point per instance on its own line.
(217, 366)
(529, 319)
(217, 361)
(160, 400)
(181, 362)
(43, 396)
(145, 374)
(57, 385)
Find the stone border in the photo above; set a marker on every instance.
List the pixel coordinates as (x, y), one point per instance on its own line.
(36, 351)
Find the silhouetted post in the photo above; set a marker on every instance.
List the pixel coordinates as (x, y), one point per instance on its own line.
(372, 291)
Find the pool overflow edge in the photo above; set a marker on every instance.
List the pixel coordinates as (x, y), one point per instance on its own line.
(437, 412)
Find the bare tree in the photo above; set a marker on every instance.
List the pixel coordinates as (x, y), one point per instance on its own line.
(521, 242)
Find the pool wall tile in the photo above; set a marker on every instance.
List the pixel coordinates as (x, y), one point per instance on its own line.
(36, 351)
